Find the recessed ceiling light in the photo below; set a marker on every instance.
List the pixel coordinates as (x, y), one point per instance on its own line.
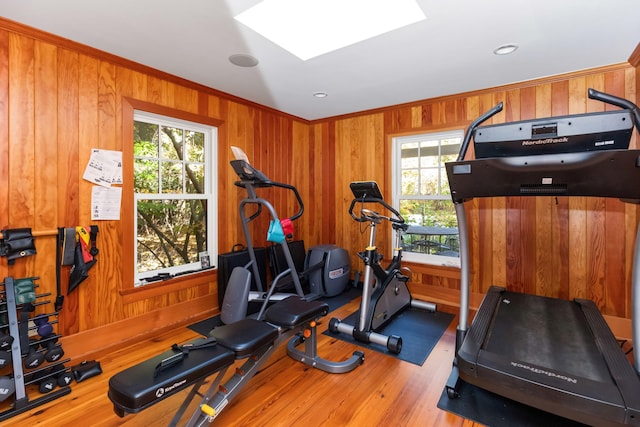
(242, 60)
(505, 49)
(313, 27)
(320, 94)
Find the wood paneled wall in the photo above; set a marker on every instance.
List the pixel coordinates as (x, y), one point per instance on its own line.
(561, 247)
(58, 100)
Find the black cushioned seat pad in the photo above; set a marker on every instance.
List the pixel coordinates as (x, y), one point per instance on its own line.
(135, 388)
(245, 336)
(294, 311)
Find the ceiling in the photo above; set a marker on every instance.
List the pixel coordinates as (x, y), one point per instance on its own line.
(449, 52)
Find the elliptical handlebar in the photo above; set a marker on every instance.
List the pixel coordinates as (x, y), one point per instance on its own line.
(298, 198)
(251, 177)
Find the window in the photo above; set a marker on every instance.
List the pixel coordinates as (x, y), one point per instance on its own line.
(422, 196)
(175, 205)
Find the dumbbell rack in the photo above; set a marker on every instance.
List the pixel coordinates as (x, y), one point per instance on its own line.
(22, 402)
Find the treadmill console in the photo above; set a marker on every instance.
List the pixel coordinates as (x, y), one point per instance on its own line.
(577, 155)
(609, 130)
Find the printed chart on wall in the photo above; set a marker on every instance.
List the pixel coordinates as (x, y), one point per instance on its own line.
(105, 170)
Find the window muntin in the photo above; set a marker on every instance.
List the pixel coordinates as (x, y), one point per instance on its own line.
(422, 196)
(175, 205)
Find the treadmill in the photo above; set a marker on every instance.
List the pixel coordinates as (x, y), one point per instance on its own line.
(555, 355)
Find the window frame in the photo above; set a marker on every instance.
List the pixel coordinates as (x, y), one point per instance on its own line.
(396, 146)
(210, 180)
(128, 288)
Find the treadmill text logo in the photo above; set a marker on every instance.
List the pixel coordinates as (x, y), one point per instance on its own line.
(542, 371)
(546, 141)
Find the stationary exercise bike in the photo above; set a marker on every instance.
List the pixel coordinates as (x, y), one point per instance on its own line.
(384, 291)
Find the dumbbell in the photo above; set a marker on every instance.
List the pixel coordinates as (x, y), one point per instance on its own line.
(45, 380)
(53, 352)
(6, 341)
(62, 378)
(33, 358)
(47, 384)
(5, 358)
(65, 377)
(44, 327)
(7, 388)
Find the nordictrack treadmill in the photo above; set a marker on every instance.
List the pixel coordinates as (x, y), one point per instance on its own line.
(555, 355)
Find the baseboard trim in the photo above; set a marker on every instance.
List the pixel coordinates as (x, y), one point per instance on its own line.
(88, 344)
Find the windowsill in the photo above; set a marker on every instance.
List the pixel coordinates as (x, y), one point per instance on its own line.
(432, 260)
(434, 270)
(173, 284)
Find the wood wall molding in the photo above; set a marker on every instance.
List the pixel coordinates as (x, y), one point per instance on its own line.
(41, 35)
(135, 329)
(634, 58)
(62, 42)
(505, 88)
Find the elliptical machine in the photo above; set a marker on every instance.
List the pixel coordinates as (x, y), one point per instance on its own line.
(238, 295)
(384, 291)
(327, 266)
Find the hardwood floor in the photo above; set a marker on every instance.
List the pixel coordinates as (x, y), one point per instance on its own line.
(382, 392)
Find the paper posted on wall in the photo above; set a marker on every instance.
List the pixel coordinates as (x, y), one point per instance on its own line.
(104, 167)
(105, 203)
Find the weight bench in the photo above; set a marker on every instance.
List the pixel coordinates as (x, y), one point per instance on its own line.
(293, 319)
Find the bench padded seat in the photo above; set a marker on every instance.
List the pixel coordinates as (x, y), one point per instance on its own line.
(294, 311)
(135, 388)
(245, 336)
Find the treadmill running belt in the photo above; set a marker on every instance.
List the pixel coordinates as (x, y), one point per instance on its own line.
(546, 332)
(555, 355)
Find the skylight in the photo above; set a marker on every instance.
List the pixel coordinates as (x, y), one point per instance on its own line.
(309, 28)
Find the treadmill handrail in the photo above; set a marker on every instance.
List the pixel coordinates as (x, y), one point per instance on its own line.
(472, 127)
(618, 102)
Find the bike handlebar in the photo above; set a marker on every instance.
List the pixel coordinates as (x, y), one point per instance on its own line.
(367, 215)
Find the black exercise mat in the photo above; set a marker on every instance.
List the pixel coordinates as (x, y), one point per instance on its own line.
(205, 326)
(492, 410)
(339, 300)
(420, 331)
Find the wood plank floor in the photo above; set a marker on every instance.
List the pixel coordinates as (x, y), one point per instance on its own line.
(381, 392)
